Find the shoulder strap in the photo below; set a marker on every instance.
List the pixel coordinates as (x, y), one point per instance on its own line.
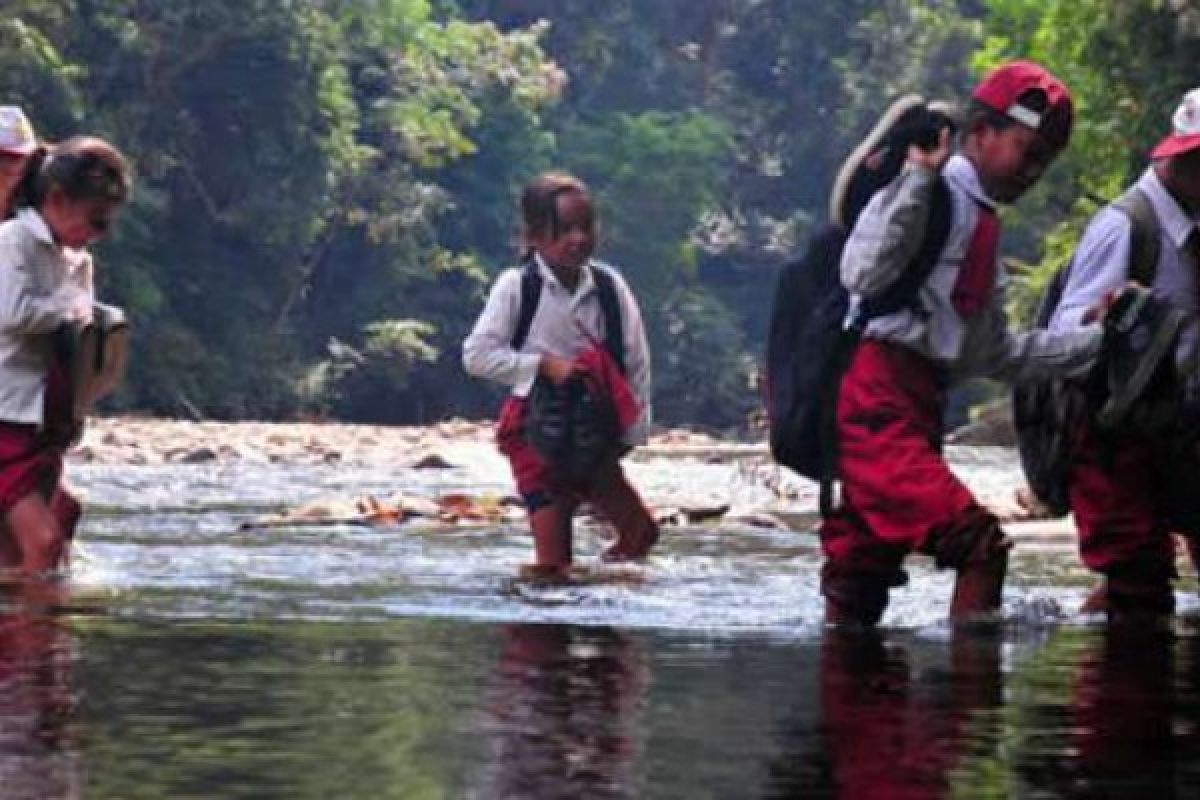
(606, 294)
(937, 229)
(1144, 247)
(614, 328)
(1145, 243)
(531, 294)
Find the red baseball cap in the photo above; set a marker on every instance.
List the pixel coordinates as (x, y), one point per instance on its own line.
(1185, 128)
(1002, 90)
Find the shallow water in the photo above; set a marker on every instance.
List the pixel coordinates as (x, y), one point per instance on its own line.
(348, 662)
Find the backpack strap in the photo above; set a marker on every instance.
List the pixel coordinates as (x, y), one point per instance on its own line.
(606, 294)
(1145, 242)
(531, 295)
(614, 327)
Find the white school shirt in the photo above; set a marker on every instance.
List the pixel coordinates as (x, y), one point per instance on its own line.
(40, 283)
(883, 243)
(1101, 264)
(557, 329)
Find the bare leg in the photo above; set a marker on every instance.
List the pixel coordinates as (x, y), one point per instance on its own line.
(551, 527)
(620, 503)
(39, 541)
(979, 587)
(37, 533)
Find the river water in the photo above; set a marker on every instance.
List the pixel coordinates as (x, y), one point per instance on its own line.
(208, 661)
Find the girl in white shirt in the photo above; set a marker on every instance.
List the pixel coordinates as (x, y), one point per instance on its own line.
(558, 237)
(70, 200)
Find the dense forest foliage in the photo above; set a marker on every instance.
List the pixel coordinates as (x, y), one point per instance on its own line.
(326, 186)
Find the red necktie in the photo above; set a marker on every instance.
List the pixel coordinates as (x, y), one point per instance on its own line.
(977, 276)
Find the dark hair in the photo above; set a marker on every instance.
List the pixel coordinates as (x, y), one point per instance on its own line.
(1055, 126)
(83, 168)
(539, 206)
(23, 191)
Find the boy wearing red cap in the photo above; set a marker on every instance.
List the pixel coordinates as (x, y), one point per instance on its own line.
(898, 493)
(1130, 487)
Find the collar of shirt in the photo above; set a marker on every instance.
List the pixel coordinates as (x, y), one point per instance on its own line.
(962, 173)
(586, 282)
(1173, 219)
(32, 220)
(35, 223)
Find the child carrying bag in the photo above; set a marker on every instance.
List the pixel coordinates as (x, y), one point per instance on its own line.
(579, 425)
(814, 332)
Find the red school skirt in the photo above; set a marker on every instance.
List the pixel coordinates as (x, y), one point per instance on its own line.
(31, 457)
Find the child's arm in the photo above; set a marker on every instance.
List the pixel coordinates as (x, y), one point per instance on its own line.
(24, 309)
(488, 351)
(1037, 354)
(888, 233)
(637, 363)
(1100, 266)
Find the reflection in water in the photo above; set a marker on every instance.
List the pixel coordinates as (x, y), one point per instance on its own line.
(890, 727)
(1128, 723)
(564, 713)
(37, 756)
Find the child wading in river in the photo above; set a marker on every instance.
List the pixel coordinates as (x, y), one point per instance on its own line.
(899, 494)
(564, 331)
(69, 201)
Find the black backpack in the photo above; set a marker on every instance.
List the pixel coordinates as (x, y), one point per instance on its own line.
(813, 336)
(1046, 414)
(570, 425)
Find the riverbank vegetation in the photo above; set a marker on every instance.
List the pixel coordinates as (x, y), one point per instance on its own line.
(325, 187)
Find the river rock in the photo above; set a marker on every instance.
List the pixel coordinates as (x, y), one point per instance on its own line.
(432, 461)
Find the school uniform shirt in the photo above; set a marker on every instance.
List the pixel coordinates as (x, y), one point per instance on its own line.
(40, 284)
(884, 242)
(560, 327)
(1101, 265)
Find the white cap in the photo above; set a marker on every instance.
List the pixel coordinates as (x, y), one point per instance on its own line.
(1185, 128)
(16, 134)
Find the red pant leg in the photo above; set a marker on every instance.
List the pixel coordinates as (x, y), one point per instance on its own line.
(1113, 496)
(614, 497)
(897, 489)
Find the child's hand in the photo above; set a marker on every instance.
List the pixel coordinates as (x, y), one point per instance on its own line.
(80, 309)
(557, 370)
(1098, 312)
(935, 157)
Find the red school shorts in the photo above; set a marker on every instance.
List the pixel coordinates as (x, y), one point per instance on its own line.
(31, 458)
(537, 481)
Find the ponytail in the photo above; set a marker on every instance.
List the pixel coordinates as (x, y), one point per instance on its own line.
(23, 193)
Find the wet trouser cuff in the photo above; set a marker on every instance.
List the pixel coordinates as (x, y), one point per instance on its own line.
(856, 595)
(976, 538)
